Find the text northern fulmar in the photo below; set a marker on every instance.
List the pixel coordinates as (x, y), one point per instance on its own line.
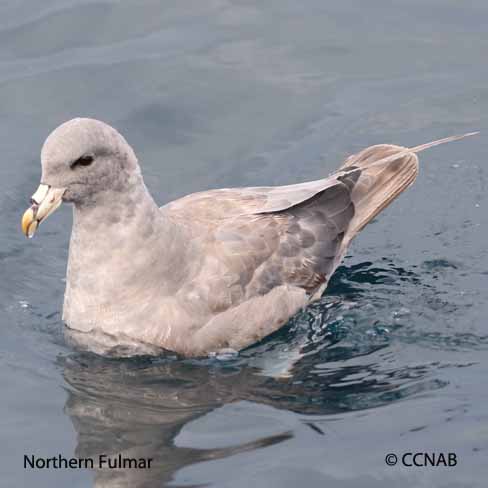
(102, 461)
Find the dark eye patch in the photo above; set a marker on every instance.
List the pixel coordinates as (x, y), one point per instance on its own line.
(83, 161)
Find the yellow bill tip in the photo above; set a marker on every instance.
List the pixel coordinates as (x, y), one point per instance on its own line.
(29, 224)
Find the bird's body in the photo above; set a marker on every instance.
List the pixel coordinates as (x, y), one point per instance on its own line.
(213, 270)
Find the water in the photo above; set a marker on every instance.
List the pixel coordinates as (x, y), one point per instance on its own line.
(216, 93)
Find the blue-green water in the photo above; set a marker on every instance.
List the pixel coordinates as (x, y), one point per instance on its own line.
(216, 93)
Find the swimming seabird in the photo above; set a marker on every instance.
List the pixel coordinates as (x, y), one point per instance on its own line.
(214, 270)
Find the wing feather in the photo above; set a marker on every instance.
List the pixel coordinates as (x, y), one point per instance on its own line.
(295, 235)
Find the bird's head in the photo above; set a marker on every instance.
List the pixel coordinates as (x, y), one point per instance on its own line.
(83, 161)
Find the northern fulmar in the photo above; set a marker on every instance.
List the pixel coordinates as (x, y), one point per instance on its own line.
(211, 271)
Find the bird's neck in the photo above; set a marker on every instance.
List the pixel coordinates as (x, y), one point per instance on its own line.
(120, 252)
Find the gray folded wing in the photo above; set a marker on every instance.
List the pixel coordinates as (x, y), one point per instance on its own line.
(256, 239)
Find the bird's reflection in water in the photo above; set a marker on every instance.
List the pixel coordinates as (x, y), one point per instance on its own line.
(137, 407)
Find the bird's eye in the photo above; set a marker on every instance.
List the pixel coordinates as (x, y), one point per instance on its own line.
(83, 161)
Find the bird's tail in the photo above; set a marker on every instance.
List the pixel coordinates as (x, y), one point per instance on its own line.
(386, 171)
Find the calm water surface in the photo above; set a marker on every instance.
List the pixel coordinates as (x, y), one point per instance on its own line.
(216, 93)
